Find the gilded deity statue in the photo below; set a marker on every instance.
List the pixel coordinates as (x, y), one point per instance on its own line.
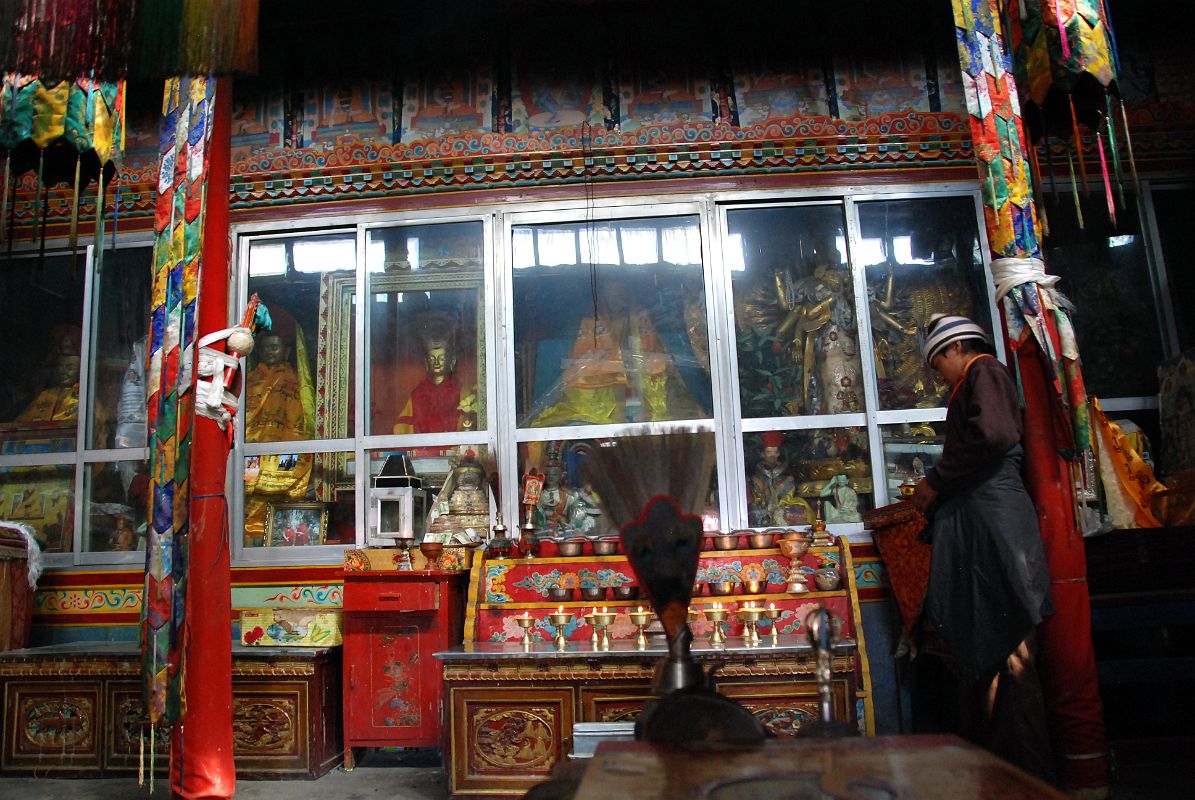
(820, 320)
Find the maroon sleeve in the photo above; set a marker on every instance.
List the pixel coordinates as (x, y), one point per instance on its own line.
(983, 423)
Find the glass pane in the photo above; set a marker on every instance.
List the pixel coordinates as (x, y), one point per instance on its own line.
(794, 475)
(1172, 212)
(114, 515)
(1105, 273)
(41, 315)
(118, 350)
(562, 503)
(306, 282)
(794, 306)
(922, 258)
(297, 499)
(610, 323)
(426, 329)
(909, 450)
(43, 498)
(444, 494)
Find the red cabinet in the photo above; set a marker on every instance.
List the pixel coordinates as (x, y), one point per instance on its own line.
(393, 623)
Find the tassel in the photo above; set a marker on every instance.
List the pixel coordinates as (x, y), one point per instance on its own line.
(44, 195)
(141, 757)
(1128, 140)
(37, 196)
(152, 753)
(1035, 173)
(99, 225)
(1078, 146)
(1066, 45)
(74, 244)
(1075, 189)
(1112, 146)
(1099, 142)
(4, 204)
(1045, 137)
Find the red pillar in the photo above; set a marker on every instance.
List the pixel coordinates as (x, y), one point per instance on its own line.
(1066, 660)
(201, 746)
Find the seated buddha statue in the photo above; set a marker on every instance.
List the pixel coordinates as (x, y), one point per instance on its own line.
(463, 503)
(275, 411)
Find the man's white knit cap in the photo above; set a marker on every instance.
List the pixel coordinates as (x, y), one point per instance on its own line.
(944, 329)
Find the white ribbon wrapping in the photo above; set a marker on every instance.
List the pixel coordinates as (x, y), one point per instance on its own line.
(213, 400)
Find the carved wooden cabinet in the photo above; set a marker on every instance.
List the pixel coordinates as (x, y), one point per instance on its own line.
(75, 710)
(393, 624)
(512, 703)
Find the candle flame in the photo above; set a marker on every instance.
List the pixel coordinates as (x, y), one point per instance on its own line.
(772, 606)
(603, 609)
(560, 609)
(639, 610)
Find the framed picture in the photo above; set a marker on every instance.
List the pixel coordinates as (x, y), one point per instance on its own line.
(296, 524)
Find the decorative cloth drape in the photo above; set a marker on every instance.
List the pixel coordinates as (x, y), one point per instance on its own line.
(1066, 66)
(182, 183)
(1039, 334)
(113, 39)
(66, 130)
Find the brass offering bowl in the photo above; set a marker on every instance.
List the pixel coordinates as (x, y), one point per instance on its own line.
(570, 547)
(605, 547)
(773, 614)
(754, 587)
(559, 619)
(716, 614)
(602, 622)
(559, 593)
(593, 593)
(726, 541)
(526, 622)
(761, 540)
(721, 588)
(749, 615)
(640, 619)
(627, 592)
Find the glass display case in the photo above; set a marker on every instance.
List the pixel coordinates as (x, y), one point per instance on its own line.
(610, 323)
(795, 323)
(921, 257)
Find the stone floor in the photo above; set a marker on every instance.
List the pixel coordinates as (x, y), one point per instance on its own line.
(399, 776)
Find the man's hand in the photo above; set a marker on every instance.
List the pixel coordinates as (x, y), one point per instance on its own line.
(923, 496)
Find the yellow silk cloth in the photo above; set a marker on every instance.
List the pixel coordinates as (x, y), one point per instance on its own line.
(1129, 483)
(60, 404)
(274, 412)
(598, 370)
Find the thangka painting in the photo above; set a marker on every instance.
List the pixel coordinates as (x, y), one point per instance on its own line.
(256, 120)
(548, 100)
(664, 94)
(890, 83)
(767, 91)
(347, 111)
(447, 104)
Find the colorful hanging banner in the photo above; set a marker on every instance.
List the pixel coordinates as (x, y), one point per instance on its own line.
(996, 129)
(182, 185)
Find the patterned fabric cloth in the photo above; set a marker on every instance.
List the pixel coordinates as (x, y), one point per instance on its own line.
(178, 250)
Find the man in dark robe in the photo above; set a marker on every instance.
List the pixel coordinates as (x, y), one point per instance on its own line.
(988, 584)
